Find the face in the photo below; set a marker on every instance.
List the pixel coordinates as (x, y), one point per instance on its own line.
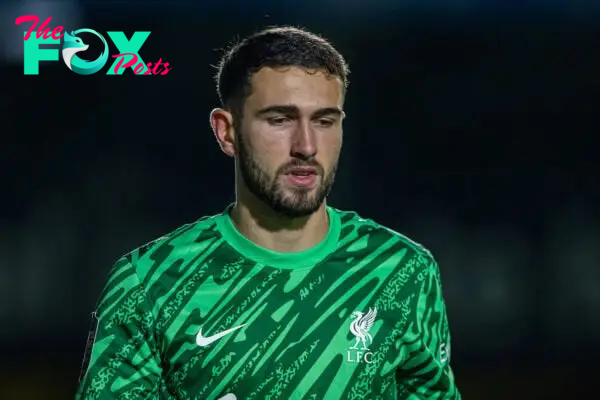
(289, 139)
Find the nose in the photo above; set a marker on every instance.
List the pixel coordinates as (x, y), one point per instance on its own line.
(304, 142)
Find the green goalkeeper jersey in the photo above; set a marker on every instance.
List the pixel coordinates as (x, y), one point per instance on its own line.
(204, 313)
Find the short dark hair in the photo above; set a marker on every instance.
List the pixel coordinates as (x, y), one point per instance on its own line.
(274, 47)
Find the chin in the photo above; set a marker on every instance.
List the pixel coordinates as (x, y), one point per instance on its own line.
(301, 195)
(294, 204)
(295, 191)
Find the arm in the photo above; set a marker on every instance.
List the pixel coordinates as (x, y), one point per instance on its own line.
(426, 373)
(122, 359)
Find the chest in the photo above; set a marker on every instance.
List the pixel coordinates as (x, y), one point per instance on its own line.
(279, 334)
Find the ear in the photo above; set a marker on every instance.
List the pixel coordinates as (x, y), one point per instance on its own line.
(221, 122)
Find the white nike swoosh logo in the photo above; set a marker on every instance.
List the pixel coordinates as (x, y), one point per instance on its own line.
(203, 341)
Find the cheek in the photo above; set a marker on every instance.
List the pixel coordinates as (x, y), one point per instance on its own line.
(331, 145)
(273, 151)
(269, 149)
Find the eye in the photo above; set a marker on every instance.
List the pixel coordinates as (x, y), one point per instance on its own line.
(277, 120)
(326, 122)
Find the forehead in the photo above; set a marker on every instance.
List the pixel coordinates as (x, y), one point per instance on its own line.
(304, 88)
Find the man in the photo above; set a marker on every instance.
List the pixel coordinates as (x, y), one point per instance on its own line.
(280, 296)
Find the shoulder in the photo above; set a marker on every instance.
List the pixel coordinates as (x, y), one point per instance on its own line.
(355, 224)
(164, 247)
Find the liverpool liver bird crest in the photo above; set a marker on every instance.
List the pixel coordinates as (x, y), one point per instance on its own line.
(360, 328)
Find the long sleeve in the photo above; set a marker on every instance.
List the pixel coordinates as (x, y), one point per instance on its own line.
(426, 373)
(122, 360)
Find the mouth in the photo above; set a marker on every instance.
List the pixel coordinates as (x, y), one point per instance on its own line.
(302, 171)
(302, 177)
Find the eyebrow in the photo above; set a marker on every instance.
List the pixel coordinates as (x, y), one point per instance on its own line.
(293, 110)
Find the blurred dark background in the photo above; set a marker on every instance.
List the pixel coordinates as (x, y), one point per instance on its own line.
(471, 128)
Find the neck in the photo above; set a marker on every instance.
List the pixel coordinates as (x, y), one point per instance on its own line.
(273, 231)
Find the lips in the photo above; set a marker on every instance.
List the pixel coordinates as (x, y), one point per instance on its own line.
(302, 171)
